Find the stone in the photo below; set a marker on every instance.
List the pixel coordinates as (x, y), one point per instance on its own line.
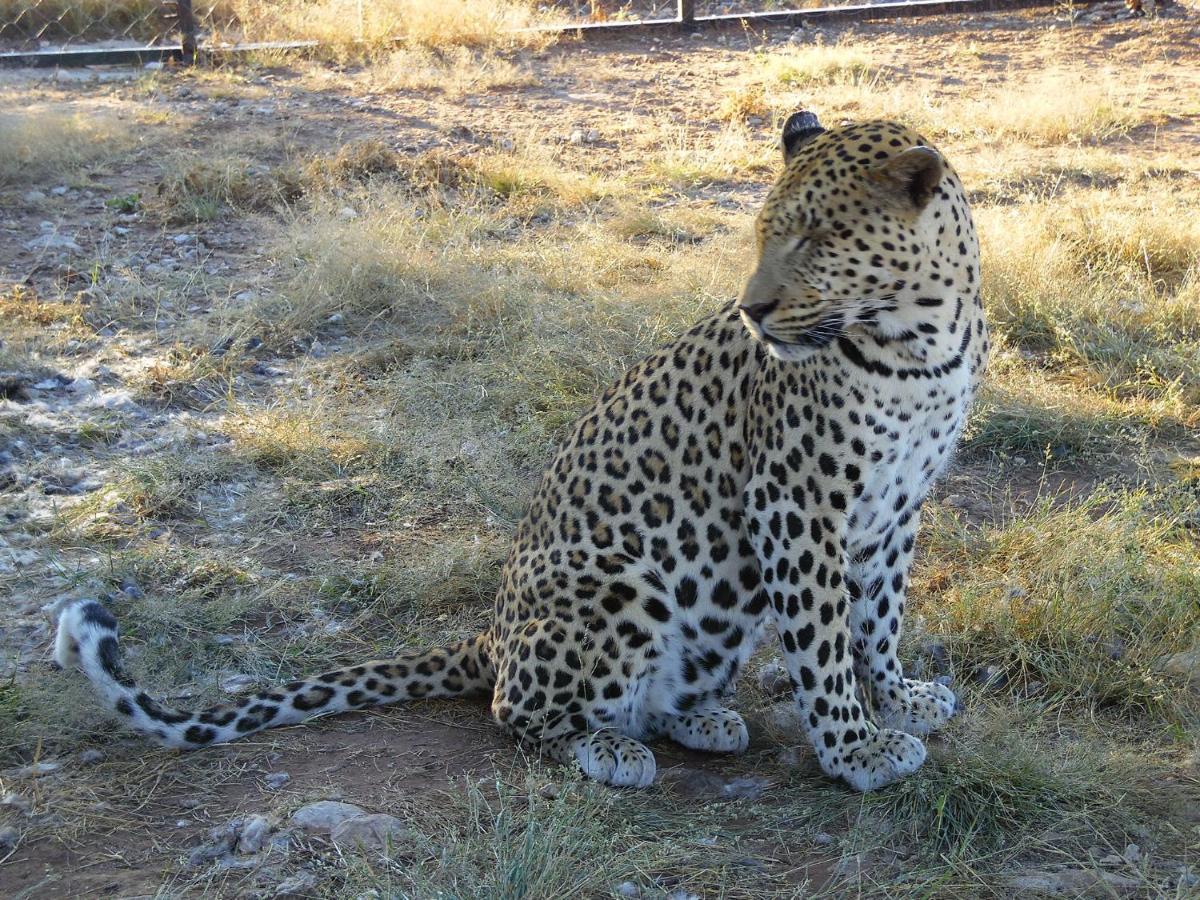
(33, 197)
(706, 786)
(628, 889)
(51, 241)
(253, 834)
(577, 136)
(90, 757)
(774, 679)
(325, 815)
(238, 684)
(302, 884)
(276, 780)
(821, 839)
(376, 831)
(1184, 665)
(10, 837)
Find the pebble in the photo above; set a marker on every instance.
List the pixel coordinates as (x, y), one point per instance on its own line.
(33, 197)
(81, 386)
(628, 889)
(1075, 883)
(9, 837)
(180, 239)
(276, 780)
(348, 212)
(53, 241)
(238, 684)
(90, 757)
(705, 786)
(253, 834)
(325, 815)
(577, 136)
(682, 894)
(990, 677)
(822, 839)
(774, 679)
(35, 770)
(131, 590)
(302, 884)
(60, 190)
(376, 831)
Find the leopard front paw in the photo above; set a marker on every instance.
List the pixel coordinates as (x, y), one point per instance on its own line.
(880, 759)
(916, 707)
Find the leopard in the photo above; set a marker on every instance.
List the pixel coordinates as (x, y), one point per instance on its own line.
(766, 468)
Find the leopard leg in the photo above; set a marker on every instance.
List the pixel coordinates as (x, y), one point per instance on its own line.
(877, 591)
(553, 694)
(714, 729)
(804, 579)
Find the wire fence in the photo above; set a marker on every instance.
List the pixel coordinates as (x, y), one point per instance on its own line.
(79, 32)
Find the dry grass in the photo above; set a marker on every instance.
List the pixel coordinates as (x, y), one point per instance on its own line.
(350, 27)
(331, 469)
(42, 142)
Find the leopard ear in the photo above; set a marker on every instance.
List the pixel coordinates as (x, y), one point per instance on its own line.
(800, 128)
(911, 176)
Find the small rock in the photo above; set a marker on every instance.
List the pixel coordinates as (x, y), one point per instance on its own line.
(276, 780)
(35, 770)
(130, 589)
(958, 501)
(1188, 877)
(53, 241)
(774, 679)
(1184, 665)
(253, 834)
(821, 839)
(302, 884)
(9, 838)
(705, 786)
(577, 136)
(682, 894)
(336, 319)
(325, 815)
(60, 191)
(549, 791)
(991, 678)
(591, 136)
(371, 832)
(33, 197)
(785, 717)
(1133, 854)
(16, 801)
(238, 684)
(936, 651)
(245, 297)
(506, 144)
(90, 757)
(181, 239)
(348, 212)
(82, 386)
(221, 843)
(628, 889)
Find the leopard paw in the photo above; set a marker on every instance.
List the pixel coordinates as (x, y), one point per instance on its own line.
(919, 707)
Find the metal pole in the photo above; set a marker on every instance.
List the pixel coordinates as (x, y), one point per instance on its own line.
(189, 30)
(687, 12)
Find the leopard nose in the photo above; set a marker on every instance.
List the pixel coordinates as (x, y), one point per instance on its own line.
(757, 311)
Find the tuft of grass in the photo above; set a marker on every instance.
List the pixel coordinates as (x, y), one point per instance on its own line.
(347, 28)
(1073, 603)
(1105, 286)
(455, 71)
(208, 189)
(820, 64)
(39, 143)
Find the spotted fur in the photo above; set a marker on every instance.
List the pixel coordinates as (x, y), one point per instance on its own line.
(767, 466)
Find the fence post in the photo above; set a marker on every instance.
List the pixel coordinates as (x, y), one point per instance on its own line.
(189, 30)
(687, 12)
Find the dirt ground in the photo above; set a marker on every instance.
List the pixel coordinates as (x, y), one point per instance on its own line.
(120, 319)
